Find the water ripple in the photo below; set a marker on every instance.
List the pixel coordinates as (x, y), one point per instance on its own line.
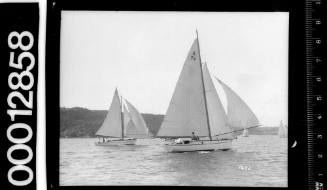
(253, 161)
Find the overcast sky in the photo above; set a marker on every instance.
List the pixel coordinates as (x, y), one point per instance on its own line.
(142, 53)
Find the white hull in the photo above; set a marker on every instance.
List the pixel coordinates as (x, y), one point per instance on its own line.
(199, 146)
(168, 140)
(117, 142)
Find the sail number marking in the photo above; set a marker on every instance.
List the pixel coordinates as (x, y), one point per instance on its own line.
(244, 167)
(21, 82)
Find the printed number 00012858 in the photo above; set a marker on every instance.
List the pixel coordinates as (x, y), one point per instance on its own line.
(25, 63)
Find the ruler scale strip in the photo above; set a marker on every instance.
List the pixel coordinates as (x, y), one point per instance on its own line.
(314, 42)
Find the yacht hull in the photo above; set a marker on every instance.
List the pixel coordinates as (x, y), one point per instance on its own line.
(200, 146)
(117, 142)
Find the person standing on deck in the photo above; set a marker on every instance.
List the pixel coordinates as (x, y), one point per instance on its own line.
(194, 137)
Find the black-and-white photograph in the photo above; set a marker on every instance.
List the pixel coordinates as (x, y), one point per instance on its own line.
(174, 98)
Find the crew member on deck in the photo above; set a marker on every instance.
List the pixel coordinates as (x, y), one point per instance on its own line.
(194, 137)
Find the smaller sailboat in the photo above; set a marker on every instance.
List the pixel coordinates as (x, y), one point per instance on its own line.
(282, 130)
(245, 133)
(122, 125)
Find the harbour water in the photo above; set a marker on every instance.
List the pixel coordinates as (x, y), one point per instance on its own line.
(257, 160)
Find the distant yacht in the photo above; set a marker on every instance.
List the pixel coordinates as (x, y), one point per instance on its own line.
(195, 114)
(282, 130)
(245, 133)
(122, 125)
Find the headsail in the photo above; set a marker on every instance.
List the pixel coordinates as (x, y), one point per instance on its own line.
(131, 130)
(138, 122)
(111, 126)
(127, 116)
(186, 112)
(217, 115)
(129, 126)
(239, 115)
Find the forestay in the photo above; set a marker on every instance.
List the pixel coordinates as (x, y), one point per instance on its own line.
(186, 112)
(111, 126)
(239, 115)
(216, 113)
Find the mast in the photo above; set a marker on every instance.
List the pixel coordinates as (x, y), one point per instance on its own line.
(204, 91)
(122, 117)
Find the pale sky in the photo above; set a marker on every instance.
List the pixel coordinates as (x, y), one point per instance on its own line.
(142, 53)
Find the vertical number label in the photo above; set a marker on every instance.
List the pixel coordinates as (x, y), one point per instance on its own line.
(20, 80)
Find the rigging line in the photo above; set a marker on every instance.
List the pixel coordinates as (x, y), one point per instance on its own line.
(237, 130)
(203, 88)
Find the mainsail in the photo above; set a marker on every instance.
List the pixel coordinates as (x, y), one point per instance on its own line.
(216, 113)
(136, 119)
(111, 126)
(239, 115)
(186, 112)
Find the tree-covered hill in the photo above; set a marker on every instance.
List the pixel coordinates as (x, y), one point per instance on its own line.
(82, 122)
